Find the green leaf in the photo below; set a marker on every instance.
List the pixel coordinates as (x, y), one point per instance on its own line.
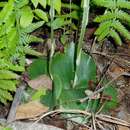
(21, 3)
(58, 86)
(74, 14)
(32, 27)
(38, 67)
(111, 91)
(6, 11)
(57, 5)
(35, 3)
(31, 51)
(26, 16)
(2, 4)
(37, 95)
(62, 65)
(5, 74)
(85, 71)
(43, 3)
(7, 85)
(69, 99)
(41, 14)
(6, 95)
(59, 22)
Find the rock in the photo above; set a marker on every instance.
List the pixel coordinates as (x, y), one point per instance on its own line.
(31, 126)
(18, 125)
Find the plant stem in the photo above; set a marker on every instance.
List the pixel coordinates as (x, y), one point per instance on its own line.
(80, 43)
(52, 14)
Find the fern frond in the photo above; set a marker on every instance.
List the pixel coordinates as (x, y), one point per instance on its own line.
(123, 16)
(116, 37)
(103, 26)
(2, 4)
(6, 74)
(3, 100)
(105, 3)
(109, 15)
(30, 51)
(8, 85)
(113, 15)
(123, 4)
(5, 94)
(26, 39)
(103, 35)
(121, 29)
(6, 11)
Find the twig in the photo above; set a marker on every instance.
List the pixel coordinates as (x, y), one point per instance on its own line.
(104, 87)
(93, 122)
(101, 117)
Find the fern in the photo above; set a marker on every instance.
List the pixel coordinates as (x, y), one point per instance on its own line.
(105, 3)
(116, 37)
(103, 26)
(113, 20)
(121, 29)
(14, 44)
(123, 4)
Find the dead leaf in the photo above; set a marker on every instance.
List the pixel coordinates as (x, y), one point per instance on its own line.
(43, 81)
(30, 110)
(122, 127)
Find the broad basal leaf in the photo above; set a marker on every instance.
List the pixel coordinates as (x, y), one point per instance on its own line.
(37, 68)
(70, 99)
(85, 71)
(58, 86)
(111, 103)
(62, 65)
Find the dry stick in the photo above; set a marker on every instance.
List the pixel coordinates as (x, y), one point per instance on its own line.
(99, 125)
(104, 87)
(15, 103)
(101, 117)
(93, 122)
(113, 118)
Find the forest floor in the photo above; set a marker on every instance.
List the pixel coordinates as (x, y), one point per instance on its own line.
(111, 62)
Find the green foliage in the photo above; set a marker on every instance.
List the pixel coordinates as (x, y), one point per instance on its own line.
(72, 70)
(33, 72)
(61, 69)
(112, 93)
(15, 27)
(112, 22)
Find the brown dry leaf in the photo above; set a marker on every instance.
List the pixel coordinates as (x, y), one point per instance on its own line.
(43, 81)
(116, 70)
(122, 128)
(30, 110)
